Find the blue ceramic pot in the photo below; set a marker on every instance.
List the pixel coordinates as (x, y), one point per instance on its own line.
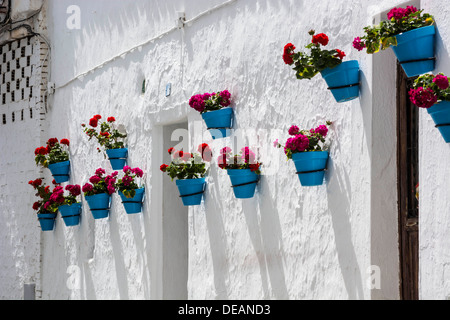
(418, 44)
(343, 81)
(191, 191)
(71, 214)
(60, 171)
(244, 182)
(99, 205)
(440, 113)
(47, 221)
(133, 205)
(117, 158)
(219, 122)
(311, 167)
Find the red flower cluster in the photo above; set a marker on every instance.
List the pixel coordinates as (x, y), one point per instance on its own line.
(288, 53)
(205, 151)
(320, 38)
(41, 151)
(163, 167)
(111, 119)
(340, 54)
(35, 183)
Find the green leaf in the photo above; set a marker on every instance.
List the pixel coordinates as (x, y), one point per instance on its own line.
(387, 42)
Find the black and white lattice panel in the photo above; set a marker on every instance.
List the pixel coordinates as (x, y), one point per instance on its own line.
(16, 70)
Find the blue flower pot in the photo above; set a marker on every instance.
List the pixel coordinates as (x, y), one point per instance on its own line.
(343, 81)
(191, 191)
(311, 167)
(133, 205)
(219, 122)
(47, 221)
(99, 205)
(440, 113)
(418, 44)
(71, 214)
(60, 171)
(244, 182)
(117, 158)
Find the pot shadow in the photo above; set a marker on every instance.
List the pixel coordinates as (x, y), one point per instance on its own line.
(217, 237)
(118, 250)
(266, 238)
(339, 206)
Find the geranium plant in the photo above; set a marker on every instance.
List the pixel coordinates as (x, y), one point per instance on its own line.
(49, 200)
(428, 89)
(130, 181)
(74, 192)
(106, 134)
(319, 59)
(99, 183)
(186, 165)
(246, 159)
(400, 20)
(210, 101)
(304, 140)
(54, 152)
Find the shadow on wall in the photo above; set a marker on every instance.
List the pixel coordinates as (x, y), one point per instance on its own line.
(267, 241)
(339, 206)
(217, 239)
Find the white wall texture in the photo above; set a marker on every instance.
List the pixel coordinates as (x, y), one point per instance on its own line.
(288, 242)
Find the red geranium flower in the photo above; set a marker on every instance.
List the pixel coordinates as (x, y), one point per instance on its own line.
(111, 119)
(206, 152)
(65, 141)
(186, 156)
(178, 154)
(97, 117)
(340, 54)
(288, 53)
(93, 122)
(254, 167)
(171, 150)
(36, 206)
(43, 151)
(51, 142)
(163, 168)
(321, 38)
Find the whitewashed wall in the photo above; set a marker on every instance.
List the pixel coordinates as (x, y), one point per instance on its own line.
(288, 242)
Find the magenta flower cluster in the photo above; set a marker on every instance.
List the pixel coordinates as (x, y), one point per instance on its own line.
(100, 184)
(358, 44)
(399, 13)
(299, 143)
(423, 98)
(441, 81)
(129, 172)
(248, 155)
(322, 130)
(201, 102)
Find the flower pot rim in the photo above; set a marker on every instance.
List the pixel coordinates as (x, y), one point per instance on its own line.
(98, 194)
(224, 110)
(62, 163)
(190, 181)
(47, 215)
(117, 149)
(72, 205)
(346, 65)
(417, 30)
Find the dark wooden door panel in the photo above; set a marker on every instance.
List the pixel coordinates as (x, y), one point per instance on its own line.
(408, 176)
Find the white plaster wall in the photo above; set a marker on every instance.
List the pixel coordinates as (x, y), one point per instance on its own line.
(288, 242)
(435, 167)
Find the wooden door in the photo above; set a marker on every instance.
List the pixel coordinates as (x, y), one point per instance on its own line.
(408, 179)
